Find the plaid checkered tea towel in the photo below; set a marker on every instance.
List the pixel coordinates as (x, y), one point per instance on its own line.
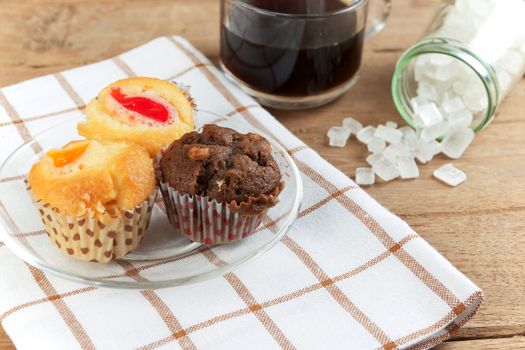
(349, 274)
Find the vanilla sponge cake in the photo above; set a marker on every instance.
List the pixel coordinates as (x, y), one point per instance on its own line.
(146, 111)
(101, 177)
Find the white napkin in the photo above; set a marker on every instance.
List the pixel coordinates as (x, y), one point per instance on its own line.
(349, 274)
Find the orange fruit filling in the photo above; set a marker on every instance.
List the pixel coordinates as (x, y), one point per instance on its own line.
(63, 157)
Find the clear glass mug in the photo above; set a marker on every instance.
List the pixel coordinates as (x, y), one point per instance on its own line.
(289, 59)
(473, 50)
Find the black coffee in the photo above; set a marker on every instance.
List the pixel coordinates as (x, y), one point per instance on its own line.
(294, 58)
(297, 7)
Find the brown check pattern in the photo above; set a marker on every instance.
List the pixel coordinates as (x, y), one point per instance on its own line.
(184, 334)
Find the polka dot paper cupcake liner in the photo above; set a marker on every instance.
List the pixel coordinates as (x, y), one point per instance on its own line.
(207, 221)
(97, 238)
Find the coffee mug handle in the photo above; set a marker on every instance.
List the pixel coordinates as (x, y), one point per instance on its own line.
(378, 12)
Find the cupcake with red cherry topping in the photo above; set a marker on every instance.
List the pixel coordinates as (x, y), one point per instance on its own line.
(146, 111)
(218, 184)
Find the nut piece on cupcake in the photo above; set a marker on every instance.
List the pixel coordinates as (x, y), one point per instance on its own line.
(218, 184)
(94, 198)
(147, 111)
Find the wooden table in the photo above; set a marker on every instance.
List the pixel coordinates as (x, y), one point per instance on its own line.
(479, 226)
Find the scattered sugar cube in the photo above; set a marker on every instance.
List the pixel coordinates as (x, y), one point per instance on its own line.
(376, 145)
(427, 150)
(394, 151)
(435, 131)
(407, 167)
(338, 136)
(392, 125)
(390, 154)
(366, 135)
(429, 114)
(354, 125)
(457, 142)
(405, 130)
(365, 176)
(450, 175)
(409, 137)
(401, 149)
(374, 158)
(386, 170)
(388, 134)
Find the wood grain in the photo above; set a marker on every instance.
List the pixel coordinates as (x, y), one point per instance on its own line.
(5, 342)
(478, 226)
(513, 343)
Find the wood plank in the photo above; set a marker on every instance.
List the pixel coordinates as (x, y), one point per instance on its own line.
(514, 343)
(472, 332)
(5, 341)
(478, 226)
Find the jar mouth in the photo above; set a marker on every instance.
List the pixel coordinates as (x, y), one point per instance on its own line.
(456, 50)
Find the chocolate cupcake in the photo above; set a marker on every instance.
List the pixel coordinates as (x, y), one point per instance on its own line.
(218, 184)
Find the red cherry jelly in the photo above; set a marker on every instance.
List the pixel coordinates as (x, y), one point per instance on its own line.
(142, 105)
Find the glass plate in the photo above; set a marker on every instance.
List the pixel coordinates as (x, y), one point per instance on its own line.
(165, 258)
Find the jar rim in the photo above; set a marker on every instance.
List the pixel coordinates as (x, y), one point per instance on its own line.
(454, 49)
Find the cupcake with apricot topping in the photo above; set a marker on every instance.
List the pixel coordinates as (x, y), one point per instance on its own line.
(146, 111)
(94, 198)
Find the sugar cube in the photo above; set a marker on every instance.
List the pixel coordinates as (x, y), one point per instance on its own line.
(457, 142)
(446, 72)
(390, 154)
(450, 175)
(373, 158)
(366, 135)
(417, 101)
(365, 176)
(460, 87)
(392, 125)
(376, 145)
(427, 91)
(504, 80)
(427, 150)
(460, 118)
(440, 59)
(434, 131)
(409, 137)
(354, 125)
(338, 136)
(512, 62)
(407, 167)
(451, 105)
(429, 114)
(388, 134)
(386, 170)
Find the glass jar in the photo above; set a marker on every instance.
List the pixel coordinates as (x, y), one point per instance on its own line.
(474, 50)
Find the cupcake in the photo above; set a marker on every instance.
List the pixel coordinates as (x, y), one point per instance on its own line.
(94, 198)
(218, 184)
(146, 111)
